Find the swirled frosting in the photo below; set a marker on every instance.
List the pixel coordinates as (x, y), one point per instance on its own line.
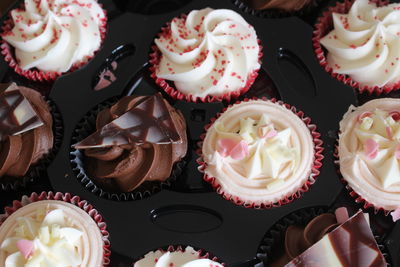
(259, 151)
(187, 258)
(366, 40)
(369, 151)
(125, 167)
(54, 35)
(50, 233)
(19, 152)
(292, 5)
(209, 52)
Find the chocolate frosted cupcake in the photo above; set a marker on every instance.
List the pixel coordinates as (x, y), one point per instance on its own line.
(188, 257)
(43, 39)
(322, 238)
(260, 153)
(26, 133)
(138, 140)
(209, 55)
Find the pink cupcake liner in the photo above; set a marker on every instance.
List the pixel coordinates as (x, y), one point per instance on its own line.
(323, 27)
(34, 74)
(154, 60)
(317, 164)
(67, 197)
(357, 198)
(203, 254)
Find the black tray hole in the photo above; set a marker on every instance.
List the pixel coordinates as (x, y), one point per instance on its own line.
(263, 86)
(296, 73)
(151, 7)
(112, 66)
(198, 115)
(186, 219)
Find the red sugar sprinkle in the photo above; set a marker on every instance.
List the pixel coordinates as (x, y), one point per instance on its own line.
(215, 82)
(377, 56)
(386, 70)
(232, 26)
(233, 74)
(353, 46)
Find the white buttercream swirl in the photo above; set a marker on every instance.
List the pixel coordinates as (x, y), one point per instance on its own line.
(59, 234)
(365, 43)
(369, 151)
(187, 258)
(53, 35)
(275, 166)
(210, 52)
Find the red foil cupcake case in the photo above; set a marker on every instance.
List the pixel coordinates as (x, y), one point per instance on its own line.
(189, 212)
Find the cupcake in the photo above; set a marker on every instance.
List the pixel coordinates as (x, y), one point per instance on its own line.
(138, 139)
(361, 37)
(26, 134)
(177, 257)
(325, 240)
(369, 152)
(208, 55)
(261, 153)
(43, 39)
(42, 231)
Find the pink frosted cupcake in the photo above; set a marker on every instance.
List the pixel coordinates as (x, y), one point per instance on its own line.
(44, 39)
(369, 153)
(53, 230)
(260, 153)
(208, 55)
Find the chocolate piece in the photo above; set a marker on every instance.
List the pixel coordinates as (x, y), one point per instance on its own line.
(123, 168)
(286, 5)
(147, 122)
(351, 244)
(19, 152)
(16, 113)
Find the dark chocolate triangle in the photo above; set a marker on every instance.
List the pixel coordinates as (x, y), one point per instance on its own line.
(350, 244)
(16, 112)
(148, 122)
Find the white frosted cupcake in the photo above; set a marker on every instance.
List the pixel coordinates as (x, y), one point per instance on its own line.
(188, 257)
(52, 233)
(261, 154)
(369, 152)
(206, 56)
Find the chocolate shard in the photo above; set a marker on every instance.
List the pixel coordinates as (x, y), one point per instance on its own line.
(16, 113)
(147, 122)
(350, 244)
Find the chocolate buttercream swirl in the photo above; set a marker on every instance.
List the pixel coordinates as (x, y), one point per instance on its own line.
(126, 167)
(300, 238)
(286, 5)
(19, 152)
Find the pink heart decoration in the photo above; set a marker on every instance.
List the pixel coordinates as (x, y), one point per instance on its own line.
(395, 215)
(395, 115)
(389, 132)
(229, 147)
(397, 152)
(25, 247)
(269, 134)
(364, 115)
(240, 151)
(371, 148)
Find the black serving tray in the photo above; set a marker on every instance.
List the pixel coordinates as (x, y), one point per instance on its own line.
(190, 212)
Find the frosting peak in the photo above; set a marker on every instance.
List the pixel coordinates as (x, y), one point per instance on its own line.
(366, 40)
(209, 52)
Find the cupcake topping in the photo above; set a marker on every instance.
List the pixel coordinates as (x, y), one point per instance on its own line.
(47, 239)
(366, 40)
(16, 113)
(209, 52)
(257, 150)
(379, 134)
(147, 122)
(54, 35)
(187, 258)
